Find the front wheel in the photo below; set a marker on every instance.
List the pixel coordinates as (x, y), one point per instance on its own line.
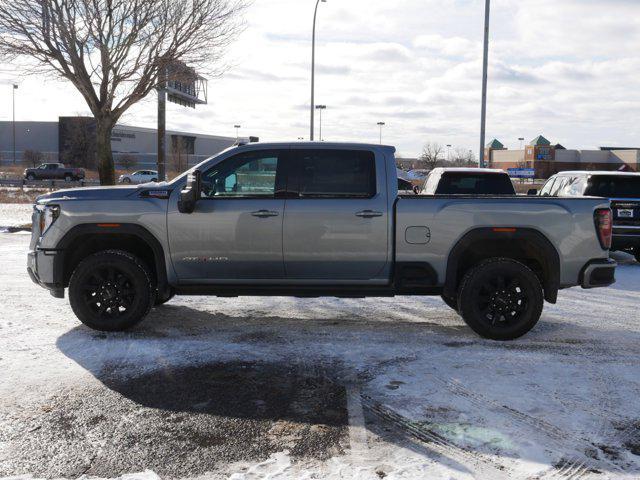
(67, 178)
(501, 299)
(126, 180)
(450, 302)
(111, 291)
(31, 177)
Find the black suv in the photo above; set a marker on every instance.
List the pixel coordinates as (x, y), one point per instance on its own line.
(622, 188)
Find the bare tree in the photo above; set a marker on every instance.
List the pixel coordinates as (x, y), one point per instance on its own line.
(430, 155)
(115, 52)
(32, 158)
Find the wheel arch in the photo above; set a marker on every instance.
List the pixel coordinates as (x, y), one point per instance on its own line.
(526, 245)
(86, 239)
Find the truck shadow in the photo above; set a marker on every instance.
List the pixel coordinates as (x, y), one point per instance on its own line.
(202, 390)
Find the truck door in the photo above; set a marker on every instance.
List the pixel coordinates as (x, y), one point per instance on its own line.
(236, 229)
(336, 226)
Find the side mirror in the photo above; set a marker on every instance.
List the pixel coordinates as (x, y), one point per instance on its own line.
(190, 195)
(532, 192)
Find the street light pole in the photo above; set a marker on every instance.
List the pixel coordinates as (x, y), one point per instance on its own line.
(485, 67)
(521, 140)
(448, 152)
(313, 68)
(381, 124)
(13, 92)
(237, 127)
(321, 108)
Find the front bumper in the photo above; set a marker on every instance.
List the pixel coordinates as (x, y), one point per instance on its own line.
(43, 269)
(598, 273)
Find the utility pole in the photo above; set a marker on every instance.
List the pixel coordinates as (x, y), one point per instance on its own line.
(321, 108)
(485, 67)
(13, 92)
(313, 68)
(381, 124)
(162, 126)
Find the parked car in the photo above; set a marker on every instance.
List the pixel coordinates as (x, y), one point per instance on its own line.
(54, 171)
(622, 188)
(468, 181)
(309, 220)
(405, 186)
(141, 176)
(417, 173)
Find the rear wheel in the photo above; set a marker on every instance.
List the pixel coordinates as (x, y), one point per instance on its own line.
(501, 299)
(111, 291)
(68, 178)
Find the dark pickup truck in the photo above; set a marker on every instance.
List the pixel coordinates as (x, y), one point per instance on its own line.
(54, 171)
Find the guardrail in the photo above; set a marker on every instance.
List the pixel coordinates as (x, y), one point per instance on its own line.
(23, 182)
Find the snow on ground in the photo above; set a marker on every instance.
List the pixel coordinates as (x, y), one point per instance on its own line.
(15, 215)
(248, 388)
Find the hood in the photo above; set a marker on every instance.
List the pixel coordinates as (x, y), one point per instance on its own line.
(91, 193)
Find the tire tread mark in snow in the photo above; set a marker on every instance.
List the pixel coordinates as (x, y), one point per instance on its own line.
(573, 468)
(484, 467)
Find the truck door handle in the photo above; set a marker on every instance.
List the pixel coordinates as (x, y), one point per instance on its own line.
(368, 214)
(265, 214)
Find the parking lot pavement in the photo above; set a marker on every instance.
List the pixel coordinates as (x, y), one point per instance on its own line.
(318, 388)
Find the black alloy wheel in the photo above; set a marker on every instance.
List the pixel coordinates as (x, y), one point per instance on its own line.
(501, 299)
(111, 290)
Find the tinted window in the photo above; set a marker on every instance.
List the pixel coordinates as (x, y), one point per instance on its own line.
(250, 174)
(475, 184)
(336, 173)
(614, 186)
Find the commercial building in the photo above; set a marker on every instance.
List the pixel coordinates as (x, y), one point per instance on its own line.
(71, 140)
(548, 159)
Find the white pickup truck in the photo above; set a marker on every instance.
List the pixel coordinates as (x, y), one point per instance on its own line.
(309, 220)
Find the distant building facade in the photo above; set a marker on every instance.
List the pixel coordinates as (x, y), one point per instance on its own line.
(548, 159)
(71, 140)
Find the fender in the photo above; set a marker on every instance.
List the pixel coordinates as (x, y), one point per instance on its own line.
(510, 242)
(112, 229)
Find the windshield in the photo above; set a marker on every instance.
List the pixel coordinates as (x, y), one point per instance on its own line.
(475, 184)
(614, 186)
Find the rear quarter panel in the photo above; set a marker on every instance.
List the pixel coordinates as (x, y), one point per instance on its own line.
(567, 223)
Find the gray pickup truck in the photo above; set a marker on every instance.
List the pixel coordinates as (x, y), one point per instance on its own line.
(310, 220)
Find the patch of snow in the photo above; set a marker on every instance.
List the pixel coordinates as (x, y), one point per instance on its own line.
(15, 214)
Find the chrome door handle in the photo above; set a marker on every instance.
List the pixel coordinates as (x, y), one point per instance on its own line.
(368, 214)
(264, 214)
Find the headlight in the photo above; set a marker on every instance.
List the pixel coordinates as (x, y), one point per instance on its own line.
(48, 215)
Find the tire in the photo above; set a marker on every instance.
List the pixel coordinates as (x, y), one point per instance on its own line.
(126, 180)
(68, 178)
(154, 179)
(451, 302)
(122, 280)
(500, 299)
(31, 177)
(162, 300)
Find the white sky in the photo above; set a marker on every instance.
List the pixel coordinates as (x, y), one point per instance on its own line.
(565, 68)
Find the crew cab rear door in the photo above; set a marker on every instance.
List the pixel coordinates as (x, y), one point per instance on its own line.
(336, 217)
